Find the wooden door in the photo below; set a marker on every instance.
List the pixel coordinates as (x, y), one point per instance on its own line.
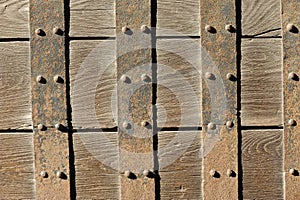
(140, 99)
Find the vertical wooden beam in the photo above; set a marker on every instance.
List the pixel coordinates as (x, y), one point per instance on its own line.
(49, 111)
(134, 99)
(219, 99)
(291, 60)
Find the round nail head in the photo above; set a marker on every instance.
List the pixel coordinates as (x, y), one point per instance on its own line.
(230, 173)
(145, 78)
(144, 28)
(292, 171)
(213, 173)
(58, 126)
(144, 123)
(229, 124)
(127, 173)
(38, 31)
(39, 79)
(124, 78)
(43, 174)
(209, 28)
(58, 79)
(126, 125)
(292, 76)
(211, 126)
(208, 75)
(58, 174)
(124, 29)
(146, 172)
(290, 27)
(229, 27)
(57, 30)
(41, 127)
(292, 122)
(230, 76)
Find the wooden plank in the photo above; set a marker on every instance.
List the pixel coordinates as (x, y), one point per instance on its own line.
(16, 166)
(95, 177)
(15, 103)
(14, 16)
(262, 152)
(134, 56)
(291, 60)
(261, 18)
(261, 82)
(181, 178)
(178, 16)
(93, 84)
(92, 18)
(178, 92)
(219, 99)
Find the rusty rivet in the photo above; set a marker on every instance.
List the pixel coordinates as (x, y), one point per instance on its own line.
(292, 76)
(145, 78)
(292, 122)
(214, 173)
(229, 28)
(58, 79)
(209, 29)
(126, 125)
(209, 75)
(128, 173)
(145, 29)
(44, 174)
(41, 127)
(290, 27)
(230, 77)
(144, 123)
(125, 29)
(211, 126)
(230, 173)
(229, 124)
(39, 32)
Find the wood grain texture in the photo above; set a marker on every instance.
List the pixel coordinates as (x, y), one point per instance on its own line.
(178, 78)
(182, 178)
(178, 16)
(16, 166)
(94, 158)
(14, 15)
(261, 18)
(261, 79)
(15, 103)
(93, 84)
(262, 164)
(92, 18)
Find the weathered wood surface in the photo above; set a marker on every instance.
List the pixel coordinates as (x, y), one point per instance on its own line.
(16, 166)
(88, 68)
(182, 178)
(15, 103)
(262, 152)
(14, 16)
(261, 80)
(92, 18)
(261, 18)
(291, 60)
(178, 16)
(178, 78)
(95, 176)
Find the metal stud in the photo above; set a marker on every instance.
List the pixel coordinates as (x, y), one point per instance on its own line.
(128, 173)
(209, 28)
(146, 172)
(41, 127)
(230, 173)
(126, 125)
(57, 31)
(230, 77)
(44, 174)
(145, 78)
(209, 75)
(144, 29)
(213, 173)
(229, 28)
(293, 171)
(290, 27)
(124, 29)
(211, 126)
(58, 79)
(144, 123)
(292, 122)
(39, 32)
(40, 79)
(229, 124)
(58, 126)
(292, 76)
(124, 79)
